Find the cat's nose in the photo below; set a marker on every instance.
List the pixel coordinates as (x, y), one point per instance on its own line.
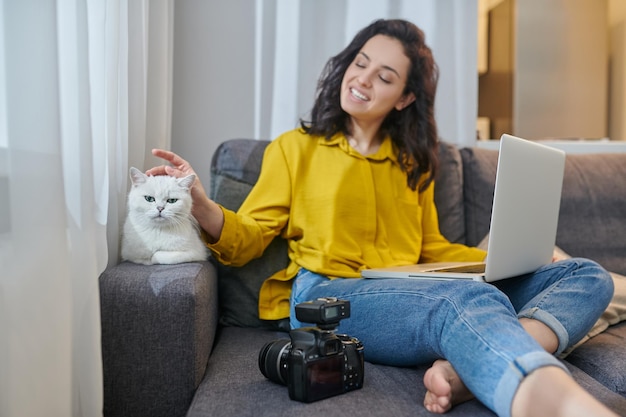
(160, 208)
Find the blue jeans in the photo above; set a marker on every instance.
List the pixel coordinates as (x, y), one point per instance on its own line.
(475, 326)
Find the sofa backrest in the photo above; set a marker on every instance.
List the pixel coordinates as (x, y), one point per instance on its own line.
(235, 168)
(449, 194)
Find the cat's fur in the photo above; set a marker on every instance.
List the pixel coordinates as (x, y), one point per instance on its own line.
(159, 227)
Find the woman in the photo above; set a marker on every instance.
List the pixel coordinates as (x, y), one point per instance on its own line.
(353, 189)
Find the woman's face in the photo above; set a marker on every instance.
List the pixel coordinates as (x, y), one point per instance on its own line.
(374, 82)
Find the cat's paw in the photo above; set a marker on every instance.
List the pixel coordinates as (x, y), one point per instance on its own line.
(170, 257)
(141, 261)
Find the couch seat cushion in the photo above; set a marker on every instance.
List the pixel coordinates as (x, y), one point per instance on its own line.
(604, 358)
(234, 385)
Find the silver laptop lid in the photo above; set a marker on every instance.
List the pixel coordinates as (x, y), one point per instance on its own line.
(526, 206)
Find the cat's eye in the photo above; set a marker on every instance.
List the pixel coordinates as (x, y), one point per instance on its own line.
(149, 198)
(172, 200)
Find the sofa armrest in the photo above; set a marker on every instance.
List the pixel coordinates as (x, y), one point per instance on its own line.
(158, 327)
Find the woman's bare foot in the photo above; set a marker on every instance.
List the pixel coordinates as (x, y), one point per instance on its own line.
(444, 388)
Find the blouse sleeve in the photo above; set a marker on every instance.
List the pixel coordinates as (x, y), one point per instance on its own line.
(262, 215)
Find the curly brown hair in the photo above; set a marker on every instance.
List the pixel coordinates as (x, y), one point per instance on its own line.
(413, 129)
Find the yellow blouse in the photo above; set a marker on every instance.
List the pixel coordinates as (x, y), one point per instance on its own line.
(340, 211)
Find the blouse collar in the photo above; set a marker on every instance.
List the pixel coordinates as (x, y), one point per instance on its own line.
(387, 149)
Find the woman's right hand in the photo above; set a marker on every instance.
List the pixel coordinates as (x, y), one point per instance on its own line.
(208, 214)
(178, 168)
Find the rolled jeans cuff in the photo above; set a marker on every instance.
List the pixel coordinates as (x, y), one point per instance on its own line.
(550, 321)
(519, 369)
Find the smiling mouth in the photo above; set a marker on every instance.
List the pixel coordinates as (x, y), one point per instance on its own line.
(355, 93)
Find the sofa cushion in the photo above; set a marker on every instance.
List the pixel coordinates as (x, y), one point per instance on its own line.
(234, 170)
(449, 193)
(234, 385)
(592, 220)
(479, 176)
(604, 358)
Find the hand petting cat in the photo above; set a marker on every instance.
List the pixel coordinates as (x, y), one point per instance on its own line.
(179, 168)
(208, 214)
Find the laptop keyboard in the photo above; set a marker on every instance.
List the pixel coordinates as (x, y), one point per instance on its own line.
(471, 269)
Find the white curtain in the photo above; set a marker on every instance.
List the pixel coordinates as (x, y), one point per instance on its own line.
(84, 92)
(294, 39)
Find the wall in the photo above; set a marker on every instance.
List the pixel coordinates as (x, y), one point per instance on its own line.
(495, 86)
(561, 60)
(556, 68)
(248, 68)
(213, 77)
(617, 93)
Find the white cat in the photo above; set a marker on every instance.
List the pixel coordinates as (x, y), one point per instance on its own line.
(159, 227)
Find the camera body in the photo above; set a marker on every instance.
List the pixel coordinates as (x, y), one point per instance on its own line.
(316, 363)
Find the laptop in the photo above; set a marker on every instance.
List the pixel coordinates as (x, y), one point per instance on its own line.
(524, 219)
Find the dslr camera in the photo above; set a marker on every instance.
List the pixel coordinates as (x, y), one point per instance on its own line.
(315, 363)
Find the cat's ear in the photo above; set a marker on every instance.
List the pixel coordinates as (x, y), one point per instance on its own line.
(187, 182)
(136, 176)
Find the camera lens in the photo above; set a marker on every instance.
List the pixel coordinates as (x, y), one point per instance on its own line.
(273, 360)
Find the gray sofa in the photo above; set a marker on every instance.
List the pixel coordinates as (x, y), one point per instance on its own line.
(184, 339)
